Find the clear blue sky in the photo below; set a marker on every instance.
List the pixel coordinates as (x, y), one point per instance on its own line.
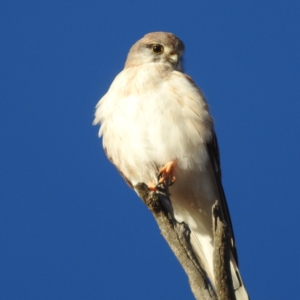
(70, 227)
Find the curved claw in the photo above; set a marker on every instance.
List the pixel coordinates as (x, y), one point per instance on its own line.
(166, 174)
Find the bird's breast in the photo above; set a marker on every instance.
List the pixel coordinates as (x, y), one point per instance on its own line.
(151, 119)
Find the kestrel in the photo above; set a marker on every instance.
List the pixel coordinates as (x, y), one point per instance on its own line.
(156, 126)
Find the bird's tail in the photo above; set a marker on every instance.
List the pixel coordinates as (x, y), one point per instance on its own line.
(204, 253)
(238, 285)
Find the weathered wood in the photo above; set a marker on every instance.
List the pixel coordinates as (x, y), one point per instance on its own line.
(177, 236)
(221, 256)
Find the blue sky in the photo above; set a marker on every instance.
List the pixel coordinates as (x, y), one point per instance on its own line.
(70, 226)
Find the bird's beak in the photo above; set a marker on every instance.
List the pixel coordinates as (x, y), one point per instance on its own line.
(173, 59)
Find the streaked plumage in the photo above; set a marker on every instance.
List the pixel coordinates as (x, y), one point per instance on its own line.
(152, 114)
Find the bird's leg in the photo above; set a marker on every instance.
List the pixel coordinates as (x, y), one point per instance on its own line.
(166, 173)
(165, 177)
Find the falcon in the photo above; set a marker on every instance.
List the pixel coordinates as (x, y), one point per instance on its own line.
(156, 127)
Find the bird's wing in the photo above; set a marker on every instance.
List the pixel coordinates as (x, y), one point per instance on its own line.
(213, 151)
(214, 154)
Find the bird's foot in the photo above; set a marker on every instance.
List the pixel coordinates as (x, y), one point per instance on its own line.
(166, 174)
(165, 177)
(152, 186)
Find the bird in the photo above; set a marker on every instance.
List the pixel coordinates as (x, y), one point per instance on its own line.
(156, 128)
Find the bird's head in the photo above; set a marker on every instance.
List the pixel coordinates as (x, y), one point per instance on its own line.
(157, 47)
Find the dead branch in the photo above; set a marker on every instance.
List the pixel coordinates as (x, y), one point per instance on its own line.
(221, 257)
(177, 236)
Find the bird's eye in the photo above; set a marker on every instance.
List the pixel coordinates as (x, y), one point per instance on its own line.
(158, 49)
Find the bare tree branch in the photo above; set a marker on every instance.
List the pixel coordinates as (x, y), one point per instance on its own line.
(221, 257)
(177, 236)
